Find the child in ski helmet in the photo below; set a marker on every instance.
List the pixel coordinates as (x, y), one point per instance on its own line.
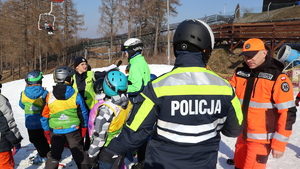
(65, 116)
(112, 114)
(139, 74)
(98, 88)
(32, 101)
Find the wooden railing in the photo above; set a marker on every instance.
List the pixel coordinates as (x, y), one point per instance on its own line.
(265, 30)
(274, 34)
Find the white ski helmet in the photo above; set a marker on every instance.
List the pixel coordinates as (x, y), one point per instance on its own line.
(132, 45)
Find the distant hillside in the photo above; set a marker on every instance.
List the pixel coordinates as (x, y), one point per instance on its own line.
(225, 63)
(287, 13)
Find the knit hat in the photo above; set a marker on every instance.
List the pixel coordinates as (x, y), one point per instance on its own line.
(79, 60)
(252, 46)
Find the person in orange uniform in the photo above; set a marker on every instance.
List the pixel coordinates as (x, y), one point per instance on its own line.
(267, 101)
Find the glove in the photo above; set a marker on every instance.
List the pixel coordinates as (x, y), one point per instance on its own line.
(111, 67)
(93, 161)
(47, 135)
(83, 132)
(114, 158)
(16, 148)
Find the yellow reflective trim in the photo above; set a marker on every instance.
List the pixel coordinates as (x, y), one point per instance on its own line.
(142, 113)
(238, 109)
(192, 90)
(192, 69)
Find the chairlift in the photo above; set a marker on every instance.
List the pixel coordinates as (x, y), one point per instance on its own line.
(49, 23)
(54, 0)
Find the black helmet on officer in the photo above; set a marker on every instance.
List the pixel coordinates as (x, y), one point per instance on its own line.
(194, 36)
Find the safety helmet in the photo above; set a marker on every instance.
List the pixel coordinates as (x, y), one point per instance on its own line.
(132, 45)
(194, 34)
(115, 83)
(62, 74)
(98, 85)
(34, 77)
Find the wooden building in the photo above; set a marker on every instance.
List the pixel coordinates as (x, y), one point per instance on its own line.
(276, 4)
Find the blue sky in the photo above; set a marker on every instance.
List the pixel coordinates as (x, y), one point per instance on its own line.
(190, 9)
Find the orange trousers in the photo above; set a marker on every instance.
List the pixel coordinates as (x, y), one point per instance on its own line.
(7, 160)
(251, 155)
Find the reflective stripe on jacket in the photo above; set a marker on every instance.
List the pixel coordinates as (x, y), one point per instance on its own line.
(195, 109)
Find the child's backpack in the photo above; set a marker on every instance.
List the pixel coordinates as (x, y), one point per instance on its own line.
(92, 117)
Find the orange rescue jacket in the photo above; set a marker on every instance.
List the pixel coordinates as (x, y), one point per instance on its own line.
(271, 111)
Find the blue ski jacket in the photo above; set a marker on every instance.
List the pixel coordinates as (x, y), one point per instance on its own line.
(32, 101)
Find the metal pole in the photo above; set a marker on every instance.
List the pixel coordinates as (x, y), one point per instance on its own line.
(269, 11)
(168, 32)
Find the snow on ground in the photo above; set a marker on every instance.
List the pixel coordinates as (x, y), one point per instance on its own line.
(13, 89)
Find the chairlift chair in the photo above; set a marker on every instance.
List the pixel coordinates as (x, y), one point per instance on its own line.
(50, 26)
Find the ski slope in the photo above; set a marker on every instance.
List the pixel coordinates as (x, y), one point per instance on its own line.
(13, 89)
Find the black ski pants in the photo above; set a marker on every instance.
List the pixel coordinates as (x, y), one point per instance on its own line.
(38, 139)
(76, 147)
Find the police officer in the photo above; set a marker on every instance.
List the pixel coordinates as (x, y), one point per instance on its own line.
(188, 108)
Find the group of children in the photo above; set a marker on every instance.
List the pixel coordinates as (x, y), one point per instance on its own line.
(62, 116)
(84, 111)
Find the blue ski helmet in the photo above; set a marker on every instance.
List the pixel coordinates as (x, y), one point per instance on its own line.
(34, 77)
(115, 83)
(153, 76)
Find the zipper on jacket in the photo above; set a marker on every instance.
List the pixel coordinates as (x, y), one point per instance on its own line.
(254, 88)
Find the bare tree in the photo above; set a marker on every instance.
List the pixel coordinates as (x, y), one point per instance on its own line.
(157, 13)
(110, 19)
(71, 23)
(23, 46)
(128, 11)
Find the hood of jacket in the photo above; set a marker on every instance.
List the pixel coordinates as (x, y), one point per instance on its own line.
(63, 92)
(34, 92)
